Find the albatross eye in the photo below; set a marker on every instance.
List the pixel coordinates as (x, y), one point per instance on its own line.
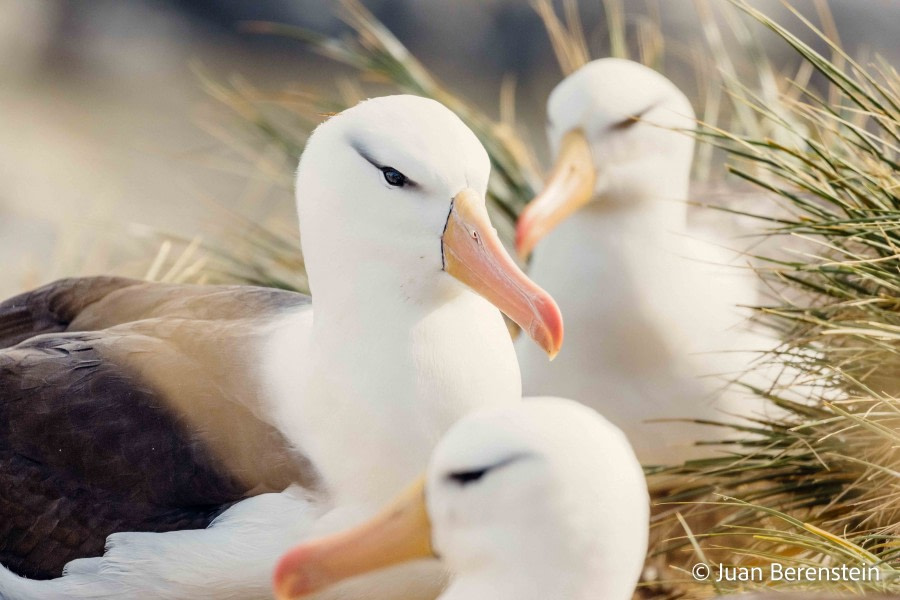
(634, 119)
(466, 477)
(463, 478)
(394, 177)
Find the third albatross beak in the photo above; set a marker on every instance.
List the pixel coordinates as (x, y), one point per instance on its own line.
(568, 188)
(401, 533)
(474, 255)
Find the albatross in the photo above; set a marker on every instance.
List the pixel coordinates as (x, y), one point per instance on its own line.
(543, 499)
(132, 411)
(651, 299)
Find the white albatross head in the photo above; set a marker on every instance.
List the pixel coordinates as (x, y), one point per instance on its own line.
(392, 191)
(535, 500)
(618, 131)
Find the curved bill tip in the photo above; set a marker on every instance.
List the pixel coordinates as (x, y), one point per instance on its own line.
(474, 254)
(525, 242)
(569, 187)
(549, 332)
(400, 533)
(291, 579)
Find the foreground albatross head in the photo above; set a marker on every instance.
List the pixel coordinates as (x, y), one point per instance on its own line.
(392, 190)
(543, 499)
(617, 129)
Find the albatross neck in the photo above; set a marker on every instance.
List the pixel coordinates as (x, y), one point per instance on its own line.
(396, 359)
(365, 295)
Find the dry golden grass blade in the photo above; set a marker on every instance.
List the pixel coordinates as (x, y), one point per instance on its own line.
(568, 41)
(615, 22)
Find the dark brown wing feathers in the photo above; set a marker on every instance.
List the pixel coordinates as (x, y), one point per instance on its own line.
(51, 308)
(94, 441)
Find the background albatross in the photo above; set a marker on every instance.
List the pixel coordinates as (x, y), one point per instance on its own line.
(653, 301)
(135, 407)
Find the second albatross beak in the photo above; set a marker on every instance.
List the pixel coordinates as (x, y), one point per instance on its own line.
(568, 188)
(474, 255)
(399, 534)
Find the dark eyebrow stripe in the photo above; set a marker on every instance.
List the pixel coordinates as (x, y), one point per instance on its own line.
(635, 118)
(364, 152)
(478, 472)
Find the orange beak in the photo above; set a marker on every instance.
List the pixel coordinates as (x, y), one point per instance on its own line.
(569, 187)
(474, 255)
(399, 534)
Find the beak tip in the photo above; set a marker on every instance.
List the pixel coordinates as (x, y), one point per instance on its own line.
(554, 351)
(554, 331)
(524, 245)
(289, 581)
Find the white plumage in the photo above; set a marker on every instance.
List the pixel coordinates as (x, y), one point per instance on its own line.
(395, 349)
(653, 303)
(543, 499)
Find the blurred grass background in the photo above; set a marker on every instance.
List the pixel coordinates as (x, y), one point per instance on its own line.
(107, 135)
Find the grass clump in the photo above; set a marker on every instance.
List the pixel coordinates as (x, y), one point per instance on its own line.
(820, 483)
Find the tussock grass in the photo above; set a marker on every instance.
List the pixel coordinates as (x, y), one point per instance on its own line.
(269, 130)
(820, 484)
(379, 57)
